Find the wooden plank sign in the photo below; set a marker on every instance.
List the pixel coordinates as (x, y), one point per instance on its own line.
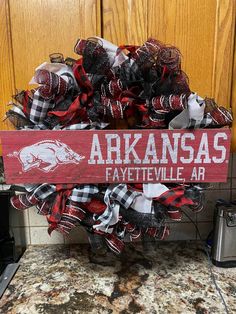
(111, 156)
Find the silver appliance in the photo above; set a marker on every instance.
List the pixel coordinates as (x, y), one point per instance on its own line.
(224, 241)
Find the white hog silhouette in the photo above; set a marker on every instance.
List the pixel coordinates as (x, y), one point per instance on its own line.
(46, 155)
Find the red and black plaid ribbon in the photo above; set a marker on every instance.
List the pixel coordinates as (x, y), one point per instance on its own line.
(83, 82)
(59, 205)
(175, 198)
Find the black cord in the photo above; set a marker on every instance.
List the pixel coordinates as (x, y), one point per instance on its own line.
(213, 278)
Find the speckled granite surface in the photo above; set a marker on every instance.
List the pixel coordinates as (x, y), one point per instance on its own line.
(60, 279)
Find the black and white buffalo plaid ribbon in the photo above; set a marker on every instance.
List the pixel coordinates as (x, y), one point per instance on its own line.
(115, 196)
(122, 195)
(39, 108)
(41, 192)
(84, 193)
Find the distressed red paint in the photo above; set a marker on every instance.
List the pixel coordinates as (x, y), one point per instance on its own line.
(116, 156)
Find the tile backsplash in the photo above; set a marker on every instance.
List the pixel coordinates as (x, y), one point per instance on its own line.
(29, 227)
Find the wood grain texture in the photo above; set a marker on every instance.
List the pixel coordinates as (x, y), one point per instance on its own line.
(6, 65)
(224, 50)
(189, 25)
(43, 27)
(125, 21)
(202, 29)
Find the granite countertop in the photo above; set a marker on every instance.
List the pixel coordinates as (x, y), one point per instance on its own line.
(174, 279)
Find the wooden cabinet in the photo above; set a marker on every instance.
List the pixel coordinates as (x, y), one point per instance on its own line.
(31, 30)
(204, 30)
(7, 84)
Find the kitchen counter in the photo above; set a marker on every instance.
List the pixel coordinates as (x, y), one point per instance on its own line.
(173, 278)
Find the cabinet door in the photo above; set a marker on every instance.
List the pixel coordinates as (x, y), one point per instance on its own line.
(203, 30)
(6, 65)
(31, 30)
(43, 27)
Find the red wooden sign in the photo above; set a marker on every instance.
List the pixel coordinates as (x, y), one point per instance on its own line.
(116, 156)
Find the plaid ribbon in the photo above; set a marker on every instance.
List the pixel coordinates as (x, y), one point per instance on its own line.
(64, 216)
(53, 90)
(60, 216)
(39, 108)
(115, 196)
(95, 206)
(43, 191)
(84, 193)
(83, 82)
(122, 195)
(57, 210)
(175, 198)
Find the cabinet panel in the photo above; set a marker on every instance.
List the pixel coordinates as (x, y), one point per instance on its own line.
(189, 25)
(202, 30)
(125, 21)
(224, 50)
(43, 27)
(6, 65)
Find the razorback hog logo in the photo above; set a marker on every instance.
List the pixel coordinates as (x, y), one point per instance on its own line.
(46, 155)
